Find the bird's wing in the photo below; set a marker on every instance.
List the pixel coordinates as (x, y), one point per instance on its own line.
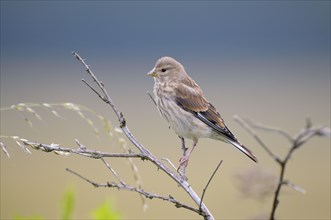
(190, 97)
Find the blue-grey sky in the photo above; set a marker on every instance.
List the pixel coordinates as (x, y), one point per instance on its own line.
(280, 46)
(146, 28)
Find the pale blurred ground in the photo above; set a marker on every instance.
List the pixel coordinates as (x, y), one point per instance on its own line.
(269, 62)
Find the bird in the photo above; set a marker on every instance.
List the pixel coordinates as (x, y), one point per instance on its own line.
(181, 102)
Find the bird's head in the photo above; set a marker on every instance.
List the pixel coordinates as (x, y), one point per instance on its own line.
(166, 69)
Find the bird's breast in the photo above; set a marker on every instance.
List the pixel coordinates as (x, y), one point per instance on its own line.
(184, 123)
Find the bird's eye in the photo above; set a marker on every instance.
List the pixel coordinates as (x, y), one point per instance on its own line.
(163, 70)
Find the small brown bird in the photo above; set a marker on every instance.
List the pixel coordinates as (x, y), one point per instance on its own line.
(182, 104)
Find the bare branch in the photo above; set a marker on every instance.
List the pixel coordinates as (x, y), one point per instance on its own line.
(271, 129)
(81, 147)
(324, 132)
(169, 161)
(212, 176)
(305, 135)
(93, 89)
(83, 152)
(293, 186)
(296, 142)
(112, 171)
(106, 98)
(87, 180)
(148, 195)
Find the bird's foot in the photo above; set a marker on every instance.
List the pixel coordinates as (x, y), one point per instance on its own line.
(183, 162)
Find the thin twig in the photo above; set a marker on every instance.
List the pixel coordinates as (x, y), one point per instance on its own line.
(296, 142)
(302, 138)
(93, 89)
(148, 195)
(83, 152)
(80, 176)
(106, 98)
(294, 186)
(212, 176)
(81, 146)
(112, 171)
(271, 129)
(169, 161)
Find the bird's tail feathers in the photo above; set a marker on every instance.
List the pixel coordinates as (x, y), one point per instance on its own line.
(243, 149)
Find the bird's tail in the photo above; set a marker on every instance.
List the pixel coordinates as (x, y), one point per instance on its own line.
(243, 149)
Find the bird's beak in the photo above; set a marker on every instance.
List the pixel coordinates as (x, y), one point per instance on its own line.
(152, 73)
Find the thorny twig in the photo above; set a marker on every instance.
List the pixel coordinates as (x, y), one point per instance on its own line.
(296, 142)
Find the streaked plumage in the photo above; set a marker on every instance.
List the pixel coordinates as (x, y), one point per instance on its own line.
(181, 102)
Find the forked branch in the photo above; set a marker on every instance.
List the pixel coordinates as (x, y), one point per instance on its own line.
(295, 143)
(182, 182)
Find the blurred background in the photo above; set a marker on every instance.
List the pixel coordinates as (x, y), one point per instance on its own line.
(268, 61)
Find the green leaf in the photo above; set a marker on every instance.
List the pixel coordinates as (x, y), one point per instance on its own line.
(105, 211)
(67, 204)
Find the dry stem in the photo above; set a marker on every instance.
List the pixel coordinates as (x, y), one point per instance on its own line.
(296, 142)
